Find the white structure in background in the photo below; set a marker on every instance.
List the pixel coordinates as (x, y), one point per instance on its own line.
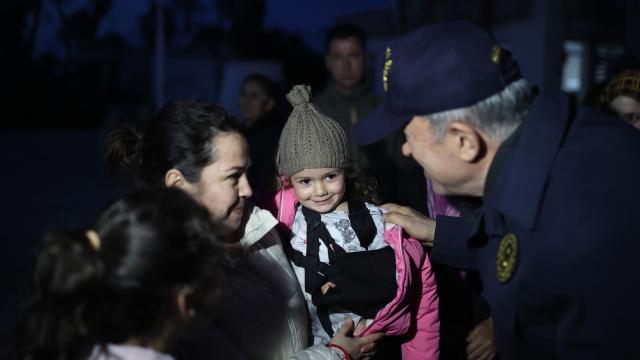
(573, 67)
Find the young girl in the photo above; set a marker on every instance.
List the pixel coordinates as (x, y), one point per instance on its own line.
(349, 263)
(123, 289)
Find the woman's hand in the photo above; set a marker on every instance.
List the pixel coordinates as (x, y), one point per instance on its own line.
(357, 347)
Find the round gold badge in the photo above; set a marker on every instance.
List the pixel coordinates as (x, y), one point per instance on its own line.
(507, 258)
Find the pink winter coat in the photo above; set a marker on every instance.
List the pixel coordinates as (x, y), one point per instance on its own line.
(414, 317)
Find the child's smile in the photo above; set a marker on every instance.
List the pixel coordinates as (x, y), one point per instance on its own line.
(321, 190)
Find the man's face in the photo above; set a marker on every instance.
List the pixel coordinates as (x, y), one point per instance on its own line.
(345, 61)
(435, 156)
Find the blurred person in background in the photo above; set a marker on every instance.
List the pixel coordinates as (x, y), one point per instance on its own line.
(349, 97)
(621, 95)
(263, 114)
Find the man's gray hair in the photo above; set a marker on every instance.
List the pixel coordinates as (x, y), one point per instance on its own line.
(497, 116)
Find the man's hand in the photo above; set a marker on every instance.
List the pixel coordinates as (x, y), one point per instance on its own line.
(481, 342)
(357, 347)
(414, 223)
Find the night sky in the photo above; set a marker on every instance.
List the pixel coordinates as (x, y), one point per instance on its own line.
(309, 18)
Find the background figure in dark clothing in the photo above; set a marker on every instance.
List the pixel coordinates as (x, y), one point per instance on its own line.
(263, 114)
(349, 97)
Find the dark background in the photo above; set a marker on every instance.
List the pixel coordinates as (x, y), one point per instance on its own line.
(70, 68)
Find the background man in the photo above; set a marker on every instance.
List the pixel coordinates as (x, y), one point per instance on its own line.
(347, 98)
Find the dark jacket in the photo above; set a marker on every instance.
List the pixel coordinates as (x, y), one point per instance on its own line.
(567, 192)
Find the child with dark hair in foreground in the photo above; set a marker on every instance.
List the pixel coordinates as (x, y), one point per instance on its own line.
(126, 287)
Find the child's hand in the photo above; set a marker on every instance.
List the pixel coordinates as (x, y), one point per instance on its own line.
(326, 287)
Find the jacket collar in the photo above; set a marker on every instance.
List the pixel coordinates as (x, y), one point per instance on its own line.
(362, 89)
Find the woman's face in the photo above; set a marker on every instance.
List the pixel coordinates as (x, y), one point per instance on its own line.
(223, 186)
(254, 102)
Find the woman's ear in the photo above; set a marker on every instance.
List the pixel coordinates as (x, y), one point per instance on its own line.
(184, 307)
(174, 178)
(465, 141)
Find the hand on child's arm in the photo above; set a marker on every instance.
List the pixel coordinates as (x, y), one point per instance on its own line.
(413, 222)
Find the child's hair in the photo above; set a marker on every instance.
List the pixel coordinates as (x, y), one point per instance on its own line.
(123, 284)
(360, 187)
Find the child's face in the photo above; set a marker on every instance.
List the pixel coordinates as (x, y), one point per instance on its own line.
(319, 189)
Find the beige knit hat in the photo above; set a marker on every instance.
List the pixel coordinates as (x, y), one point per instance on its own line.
(310, 139)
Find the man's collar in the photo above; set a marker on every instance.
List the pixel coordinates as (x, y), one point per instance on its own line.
(498, 160)
(517, 182)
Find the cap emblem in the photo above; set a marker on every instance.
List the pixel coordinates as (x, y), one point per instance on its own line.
(387, 67)
(495, 54)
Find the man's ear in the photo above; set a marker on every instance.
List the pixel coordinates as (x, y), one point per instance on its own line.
(174, 178)
(467, 143)
(182, 300)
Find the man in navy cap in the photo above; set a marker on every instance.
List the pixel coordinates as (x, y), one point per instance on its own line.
(556, 239)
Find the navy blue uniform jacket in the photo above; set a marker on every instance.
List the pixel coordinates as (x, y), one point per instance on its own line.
(569, 192)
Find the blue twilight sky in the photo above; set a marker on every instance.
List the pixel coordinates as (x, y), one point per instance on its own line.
(309, 18)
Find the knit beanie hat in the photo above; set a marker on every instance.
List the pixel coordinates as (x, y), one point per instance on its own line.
(625, 83)
(310, 139)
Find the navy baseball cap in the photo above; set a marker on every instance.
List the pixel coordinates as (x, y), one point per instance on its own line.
(439, 67)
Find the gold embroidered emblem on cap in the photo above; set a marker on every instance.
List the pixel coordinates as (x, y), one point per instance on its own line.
(495, 53)
(507, 258)
(387, 67)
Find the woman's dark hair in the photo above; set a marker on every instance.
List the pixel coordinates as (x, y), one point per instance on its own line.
(180, 136)
(152, 244)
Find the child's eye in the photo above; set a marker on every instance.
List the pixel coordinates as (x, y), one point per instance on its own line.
(304, 182)
(331, 177)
